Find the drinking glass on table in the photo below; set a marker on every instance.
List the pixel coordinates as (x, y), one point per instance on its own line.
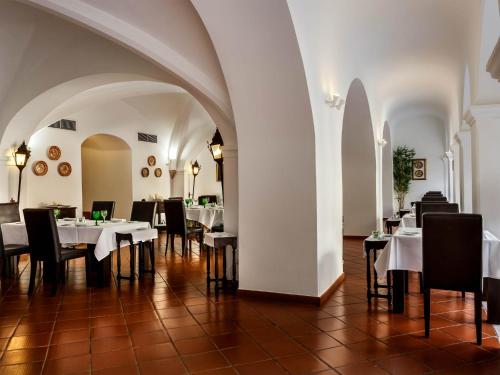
(96, 215)
(104, 213)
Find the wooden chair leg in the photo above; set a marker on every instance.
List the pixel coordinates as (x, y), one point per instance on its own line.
(183, 245)
(33, 265)
(152, 259)
(477, 316)
(463, 295)
(118, 263)
(421, 281)
(427, 310)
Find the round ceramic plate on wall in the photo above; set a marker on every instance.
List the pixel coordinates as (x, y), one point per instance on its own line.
(64, 169)
(54, 153)
(151, 161)
(158, 172)
(40, 168)
(145, 172)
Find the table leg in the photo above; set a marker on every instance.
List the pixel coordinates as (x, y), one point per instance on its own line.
(398, 288)
(98, 273)
(9, 269)
(216, 260)
(368, 276)
(493, 299)
(224, 267)
(208, 267)
(235, 285)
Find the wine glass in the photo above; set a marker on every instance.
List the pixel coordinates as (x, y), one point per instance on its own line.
(96, 215)
(57, 213)
(104, 213)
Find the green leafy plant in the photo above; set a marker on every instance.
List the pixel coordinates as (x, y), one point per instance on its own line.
(402, 170)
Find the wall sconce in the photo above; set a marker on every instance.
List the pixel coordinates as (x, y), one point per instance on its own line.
(172, 173)
(382, 142)
(195, 168)
(21, 156)
(334, 101)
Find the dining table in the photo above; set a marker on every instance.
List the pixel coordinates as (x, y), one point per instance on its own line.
(208, 216)
(403, 252)
(99, 236)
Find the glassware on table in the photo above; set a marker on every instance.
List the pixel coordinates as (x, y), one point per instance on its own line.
(57, 213)
(376, 235)
(104, 213)
(96, 215)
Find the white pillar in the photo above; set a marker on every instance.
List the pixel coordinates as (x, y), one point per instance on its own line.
(4, 179)
(379, 187)
(177, 184)
(464, 137)
(486, 172)
(449, 176)
(231, 200)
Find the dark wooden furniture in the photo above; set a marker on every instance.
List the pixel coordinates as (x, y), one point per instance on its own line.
(371, 245)
(45, 246)
(218, 242)
(454, 243)
(392, 222)
(432, 198)
(403, 212)
(176, 225)
(109, 206)
(65, 211)
(421, 207)
(9, 213)
(141, 211)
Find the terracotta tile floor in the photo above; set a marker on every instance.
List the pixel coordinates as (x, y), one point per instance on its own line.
(171, 325)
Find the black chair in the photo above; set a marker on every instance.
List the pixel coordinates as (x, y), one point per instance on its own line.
(104, 205)
(452, 259)
(45, 246)
(141, 211)
(434, 198)
(434, 192)
(422, 207)
(176, 225)
(209, 198)
(160, 225)
(9, 213)
(403, 212)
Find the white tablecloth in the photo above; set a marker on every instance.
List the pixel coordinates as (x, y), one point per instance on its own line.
(103, 235)
(404, 252)
(409, 221)
(207, 216)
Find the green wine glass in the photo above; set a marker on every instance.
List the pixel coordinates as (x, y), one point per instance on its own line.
(96, 215)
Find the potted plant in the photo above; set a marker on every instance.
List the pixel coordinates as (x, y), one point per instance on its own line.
(402, 171)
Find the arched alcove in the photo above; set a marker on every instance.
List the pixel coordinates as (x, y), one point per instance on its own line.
(358, 164)
(107, 173)
(387, 181)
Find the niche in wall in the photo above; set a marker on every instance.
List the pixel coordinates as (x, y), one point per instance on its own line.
(107, 173)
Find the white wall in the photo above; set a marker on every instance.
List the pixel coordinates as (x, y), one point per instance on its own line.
(114, 118)
(426, 134)
(358, 165)
(206, 182)
(387, 175)
(107, 173)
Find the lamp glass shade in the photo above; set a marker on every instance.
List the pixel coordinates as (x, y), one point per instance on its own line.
(216, 151)
(21, 155)
(20, 159)
(196, 168)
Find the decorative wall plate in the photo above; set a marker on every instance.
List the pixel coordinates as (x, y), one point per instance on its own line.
(40, 168)
(145, 172)
(54, 153)
(151, 161)
(64, 169)
(158, 172)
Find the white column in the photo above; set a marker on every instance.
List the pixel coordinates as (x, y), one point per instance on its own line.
(4, 179)
(379, 187)
(449, 176)
(445, 160)
(464, 138)
(177, 184)
(486, 173)
(231, 201)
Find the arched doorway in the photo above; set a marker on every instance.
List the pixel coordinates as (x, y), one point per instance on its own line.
(358, 164)
(387, 182)
(106, 165)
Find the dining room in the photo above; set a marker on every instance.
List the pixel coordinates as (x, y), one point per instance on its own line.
(249, 187)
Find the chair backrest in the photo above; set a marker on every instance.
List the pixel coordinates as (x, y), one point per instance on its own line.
(452, 251)
(434, 198)
(175, 213)
(143, 211)
(403, 212)
(104, 205)
(176, 198)
(209, 198)
(434, 192)
(9, 213)
(42, 232)
(443, 207)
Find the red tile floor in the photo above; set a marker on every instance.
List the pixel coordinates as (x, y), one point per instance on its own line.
(170, 325)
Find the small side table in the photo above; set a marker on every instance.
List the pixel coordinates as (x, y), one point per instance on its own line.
(218, 241)
(391, 223)
(372, 245)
